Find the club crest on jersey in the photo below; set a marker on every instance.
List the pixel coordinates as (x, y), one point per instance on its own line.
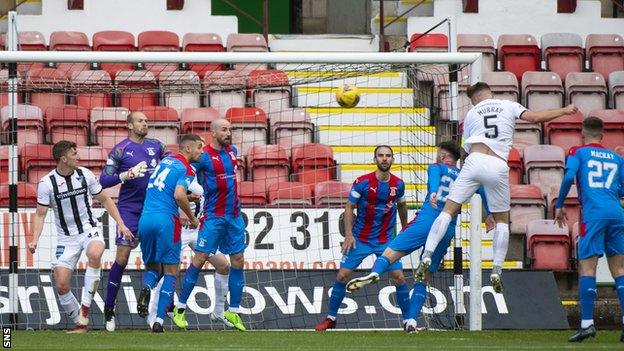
(153, 163)
(232, 156)
(150, 151)
(393, 191)
(79, 178)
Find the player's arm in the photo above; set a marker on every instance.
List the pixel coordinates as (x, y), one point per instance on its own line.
(402, 205)
(37, 226)
(433, 184)
(112, 210)
(354, 196)
(183, 202)
(542, 116)
(572, 166)
(110, 175)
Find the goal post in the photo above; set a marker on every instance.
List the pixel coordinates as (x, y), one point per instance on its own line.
(287, 235)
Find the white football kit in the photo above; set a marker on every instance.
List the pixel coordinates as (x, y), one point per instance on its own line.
(70, 200)
(491, 122)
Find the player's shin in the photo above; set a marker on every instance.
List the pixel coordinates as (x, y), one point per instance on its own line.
(587, 297)
(335, 299)
(381, 265)
(221, 291)
(165, 296)
(91, 283)
(114, 281)
(438, 229)
(70, 305)
(190, 279)
(619, 287)
(150, 278)
(417, 300)
(403, 299)
(236, 283)
(501, 242)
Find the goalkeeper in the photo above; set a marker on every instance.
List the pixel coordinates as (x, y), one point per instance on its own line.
(130, 162)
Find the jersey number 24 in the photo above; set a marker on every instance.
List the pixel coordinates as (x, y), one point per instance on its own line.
(596, 173)
(158, 179)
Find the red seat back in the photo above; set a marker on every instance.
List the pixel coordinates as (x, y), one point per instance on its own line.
(519, 53)
(432, 42)
(69, 41)
(158, 40)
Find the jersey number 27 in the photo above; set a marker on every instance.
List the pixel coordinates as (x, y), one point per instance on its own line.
(596, 171)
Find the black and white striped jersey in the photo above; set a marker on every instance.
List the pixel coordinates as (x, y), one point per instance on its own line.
(70, 199)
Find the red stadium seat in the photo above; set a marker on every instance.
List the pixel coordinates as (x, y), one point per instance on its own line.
(164, 123)
(331, 193)
(527, 204)
(514, 161)
(203, 42)
(180, 89)
(571, 204)
(92, 157)
(605, 53)
(4, 164)
(70, 41)
(542, 90)
(432, 42)
(268, 164)
(91, 88)
(159, 40)
(109, 125)
(270, 90)
(526, 134)
(225, 89)
(565, 131)
(26, 194)
(30, 41)
(114, 40)
(290, 193)
(198, 120)
(313, 163)
(613, 134)
(36, 160)
(247, 43)
(544, 166)
(48, 86)
(252, 193)
(29, 124)
(504, 85)
(616, 89)
(131, 99)
(249, 127)
(482, 43)
(69, 122)
(519, 53)
(548, 246)
(563, 53)
(291, 127)
(588, 91)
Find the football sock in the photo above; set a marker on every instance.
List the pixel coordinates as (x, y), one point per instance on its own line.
(70, 304)
(419, 294)
(381, 265)
(438, 229)
(166, 295)
(335, 300)
(403, 299)
(91, 282)
(500, 243)
(190, 279)
(150, 278)
(114, 281)
(619, 287)
(236, 282)
(221, 291)
(587, 296)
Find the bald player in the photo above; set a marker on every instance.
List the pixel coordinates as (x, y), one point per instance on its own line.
(131, 162)
(221, 225)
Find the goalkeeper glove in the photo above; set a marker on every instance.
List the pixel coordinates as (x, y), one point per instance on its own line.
(137, 171)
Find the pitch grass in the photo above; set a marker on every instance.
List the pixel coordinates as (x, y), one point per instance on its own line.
(304, 340)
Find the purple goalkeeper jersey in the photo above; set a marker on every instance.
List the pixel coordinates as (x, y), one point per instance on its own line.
(122, 157)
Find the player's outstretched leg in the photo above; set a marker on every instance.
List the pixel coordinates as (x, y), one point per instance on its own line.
(190, 279)
(379, 267)
(587, 296)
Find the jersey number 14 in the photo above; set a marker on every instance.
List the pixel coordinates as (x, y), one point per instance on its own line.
(158, 179)
(596, 171)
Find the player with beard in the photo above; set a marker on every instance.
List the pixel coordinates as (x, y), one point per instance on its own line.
(131, 162)
(378, 196)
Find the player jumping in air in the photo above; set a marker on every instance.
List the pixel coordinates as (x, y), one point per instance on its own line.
(440, 176)
(487, 137)
(377, 196)
(599, 175)
(222, 227)
(159, 225)
(68, 189)
(130, 162)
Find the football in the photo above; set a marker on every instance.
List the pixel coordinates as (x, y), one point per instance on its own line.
(348, 96)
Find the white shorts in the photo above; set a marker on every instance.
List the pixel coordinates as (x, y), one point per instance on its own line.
(188, 237)
(70, 247)
(489, 171)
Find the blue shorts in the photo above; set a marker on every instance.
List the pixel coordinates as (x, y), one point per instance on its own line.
(598, 237)
(131, 220)
(362, 250)
(225, 234)
(414, 236)
(159, 234)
